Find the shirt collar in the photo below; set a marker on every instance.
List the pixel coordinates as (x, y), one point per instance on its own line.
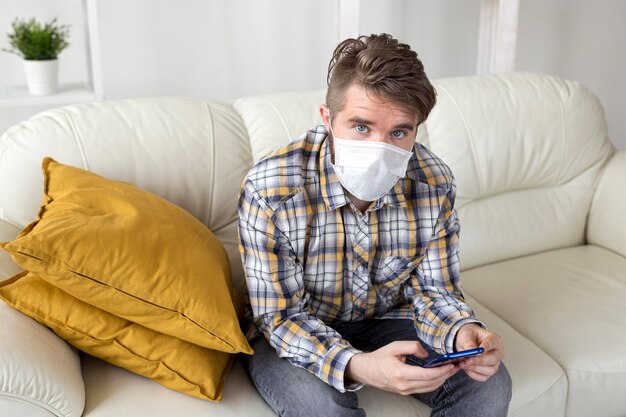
(335, 196)
(332, 191)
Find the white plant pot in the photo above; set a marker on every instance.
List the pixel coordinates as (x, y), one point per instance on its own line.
(42, 77)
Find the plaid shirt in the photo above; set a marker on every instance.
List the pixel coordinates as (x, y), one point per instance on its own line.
(310, 257)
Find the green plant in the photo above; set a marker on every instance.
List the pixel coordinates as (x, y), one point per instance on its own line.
(36, 41)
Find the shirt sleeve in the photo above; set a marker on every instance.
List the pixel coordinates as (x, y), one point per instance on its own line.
(277, 294)
(439, 304)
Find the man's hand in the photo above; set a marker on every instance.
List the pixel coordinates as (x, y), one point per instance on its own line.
(483, 366)
(386, 369)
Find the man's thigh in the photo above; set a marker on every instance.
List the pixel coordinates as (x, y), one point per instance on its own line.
(293, 391)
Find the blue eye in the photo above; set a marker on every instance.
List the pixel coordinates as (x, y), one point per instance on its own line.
(398, 134)
(361, 128)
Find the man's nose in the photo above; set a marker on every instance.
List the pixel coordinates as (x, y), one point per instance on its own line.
(380, 138)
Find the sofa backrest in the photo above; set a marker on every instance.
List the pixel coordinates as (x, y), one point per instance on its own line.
(526, 150)
(191, 152)
(274, 120)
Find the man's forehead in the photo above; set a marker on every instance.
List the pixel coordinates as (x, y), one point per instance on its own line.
(363, 105)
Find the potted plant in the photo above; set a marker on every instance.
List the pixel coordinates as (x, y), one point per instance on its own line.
(39, 44)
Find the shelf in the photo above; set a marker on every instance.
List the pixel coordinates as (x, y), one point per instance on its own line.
(17, 95)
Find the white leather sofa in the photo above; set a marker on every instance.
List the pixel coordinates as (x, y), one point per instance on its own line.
(541, 198)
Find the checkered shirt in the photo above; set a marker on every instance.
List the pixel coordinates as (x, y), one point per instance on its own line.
(310, 257)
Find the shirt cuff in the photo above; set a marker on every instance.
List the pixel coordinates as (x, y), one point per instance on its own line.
(334, 368)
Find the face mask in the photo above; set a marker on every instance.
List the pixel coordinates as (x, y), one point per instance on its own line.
(367, 169)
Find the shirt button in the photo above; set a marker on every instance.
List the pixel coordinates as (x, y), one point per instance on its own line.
(361, 269)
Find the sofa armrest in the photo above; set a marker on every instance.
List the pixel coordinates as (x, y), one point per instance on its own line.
(40, 374)
(607, 223)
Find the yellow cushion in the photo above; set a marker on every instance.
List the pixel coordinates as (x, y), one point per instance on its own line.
(172, 362)
(133, 254)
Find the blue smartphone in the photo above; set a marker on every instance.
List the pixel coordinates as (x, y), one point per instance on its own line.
(453, 357)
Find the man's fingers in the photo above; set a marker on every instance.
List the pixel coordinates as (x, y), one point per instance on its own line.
(466, 343)
(477, 376)
(484, 359)
(418, 379)
(417, 373)
(492, 341)
(489, 343)
(479, 372)
(407, 347)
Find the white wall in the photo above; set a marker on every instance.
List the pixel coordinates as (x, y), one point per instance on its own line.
(223, 49)
(582, 40)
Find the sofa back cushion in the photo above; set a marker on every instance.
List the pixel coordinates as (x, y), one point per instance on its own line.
(526, 151)
(193, 153)
(275, 120)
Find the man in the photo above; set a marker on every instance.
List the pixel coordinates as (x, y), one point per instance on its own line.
(349, 241)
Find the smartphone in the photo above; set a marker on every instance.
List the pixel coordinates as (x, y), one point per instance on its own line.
(453, 357)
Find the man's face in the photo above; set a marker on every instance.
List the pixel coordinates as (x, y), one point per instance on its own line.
(368, 117)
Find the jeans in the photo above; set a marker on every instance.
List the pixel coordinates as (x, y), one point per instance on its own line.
(293, 391)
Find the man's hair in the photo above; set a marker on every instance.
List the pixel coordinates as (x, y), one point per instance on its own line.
(384, 67)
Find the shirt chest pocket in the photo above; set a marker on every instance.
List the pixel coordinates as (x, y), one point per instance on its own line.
(394, 271)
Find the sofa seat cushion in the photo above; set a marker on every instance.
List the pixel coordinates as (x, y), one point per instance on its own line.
(540, 388)
(566, 302)
(112, 391)
(539, 383)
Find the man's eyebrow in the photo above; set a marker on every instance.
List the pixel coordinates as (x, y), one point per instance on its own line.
(359, 120)
(407, 126)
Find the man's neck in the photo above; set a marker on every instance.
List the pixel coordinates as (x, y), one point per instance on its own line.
(359, 204)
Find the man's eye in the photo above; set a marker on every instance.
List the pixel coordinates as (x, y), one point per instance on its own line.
(361, 128)
(398, 134)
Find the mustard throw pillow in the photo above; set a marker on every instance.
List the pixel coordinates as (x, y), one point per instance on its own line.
(174, 363)
(132, 254)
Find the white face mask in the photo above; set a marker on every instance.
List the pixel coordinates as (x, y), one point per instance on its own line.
(368, 169)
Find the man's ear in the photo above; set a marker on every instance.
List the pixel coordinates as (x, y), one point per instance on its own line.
(325, 114)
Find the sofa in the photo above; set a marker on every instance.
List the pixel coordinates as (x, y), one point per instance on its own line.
(541, 200)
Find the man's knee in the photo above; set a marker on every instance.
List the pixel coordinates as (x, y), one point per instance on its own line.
(503, 385)
(472, 398)
(497, 392)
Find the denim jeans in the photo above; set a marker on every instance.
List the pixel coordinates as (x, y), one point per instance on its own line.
(293, 391)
